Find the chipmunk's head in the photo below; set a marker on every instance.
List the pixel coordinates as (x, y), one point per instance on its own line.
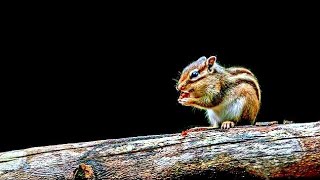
(196, 78)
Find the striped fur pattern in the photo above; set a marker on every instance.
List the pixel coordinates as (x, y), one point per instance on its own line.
(227, 94)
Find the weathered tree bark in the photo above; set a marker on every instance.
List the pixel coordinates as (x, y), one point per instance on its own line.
(255, 152)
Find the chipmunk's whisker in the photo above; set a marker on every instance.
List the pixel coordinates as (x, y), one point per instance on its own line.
(175, 80)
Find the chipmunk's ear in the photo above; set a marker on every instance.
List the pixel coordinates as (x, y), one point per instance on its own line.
(210, 62)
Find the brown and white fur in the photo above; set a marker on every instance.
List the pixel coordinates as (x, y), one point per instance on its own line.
(231, 96)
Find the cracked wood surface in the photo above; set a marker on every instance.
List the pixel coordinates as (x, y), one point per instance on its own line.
(251, 152)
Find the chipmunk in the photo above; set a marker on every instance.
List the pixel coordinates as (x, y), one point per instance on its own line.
(231, 96)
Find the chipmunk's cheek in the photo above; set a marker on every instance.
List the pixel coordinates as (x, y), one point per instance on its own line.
(196, 94)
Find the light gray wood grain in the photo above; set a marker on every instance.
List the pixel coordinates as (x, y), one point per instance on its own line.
(264, 152)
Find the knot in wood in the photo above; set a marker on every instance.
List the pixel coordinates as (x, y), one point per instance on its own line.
(83, 172)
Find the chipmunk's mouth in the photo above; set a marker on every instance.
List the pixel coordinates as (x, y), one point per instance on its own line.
(187, 98)
(184, 95)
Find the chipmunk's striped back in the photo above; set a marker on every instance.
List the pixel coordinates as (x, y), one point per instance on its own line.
(242, 75)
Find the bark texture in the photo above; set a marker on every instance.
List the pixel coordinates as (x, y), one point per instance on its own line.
(250, 152)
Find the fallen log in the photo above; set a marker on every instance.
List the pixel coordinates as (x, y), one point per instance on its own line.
(249, 152)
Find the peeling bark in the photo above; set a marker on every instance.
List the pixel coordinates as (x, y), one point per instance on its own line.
(250, 152)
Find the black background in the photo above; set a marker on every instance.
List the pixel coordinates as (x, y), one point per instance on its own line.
(82, 80)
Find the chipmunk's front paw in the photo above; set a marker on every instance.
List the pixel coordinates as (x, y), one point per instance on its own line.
(186, 101)
(227, 125)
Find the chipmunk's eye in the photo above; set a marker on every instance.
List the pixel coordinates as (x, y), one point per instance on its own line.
(194, 74)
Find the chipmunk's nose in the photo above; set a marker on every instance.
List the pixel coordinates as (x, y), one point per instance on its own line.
(181, 87)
